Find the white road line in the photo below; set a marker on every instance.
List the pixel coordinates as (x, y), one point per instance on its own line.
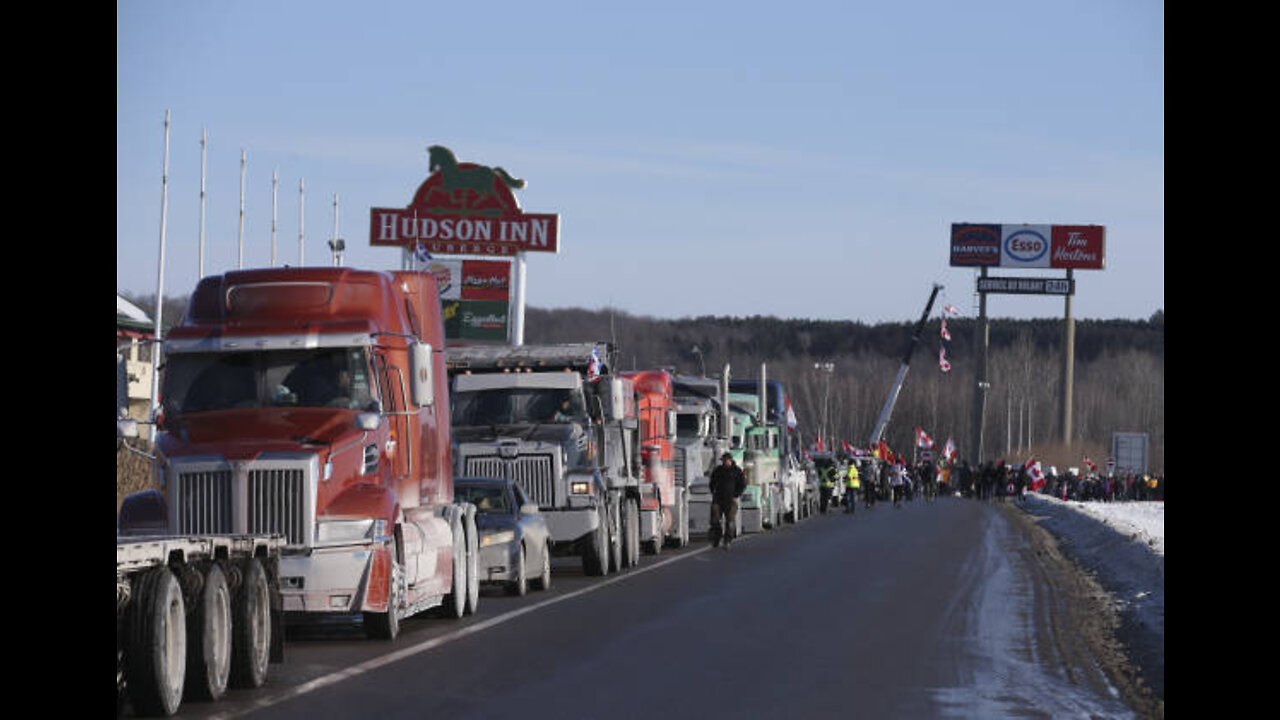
(427, 645)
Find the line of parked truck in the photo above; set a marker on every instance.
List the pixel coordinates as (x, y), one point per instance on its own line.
(311, 428)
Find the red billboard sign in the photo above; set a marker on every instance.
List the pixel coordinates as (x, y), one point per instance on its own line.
(465, 209)
(1052, 247)
(1078, 246)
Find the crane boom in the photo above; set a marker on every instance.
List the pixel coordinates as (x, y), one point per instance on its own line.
(889, 402)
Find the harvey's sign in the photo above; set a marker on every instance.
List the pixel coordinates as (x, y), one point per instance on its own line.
(465, 209)
(1076, 247)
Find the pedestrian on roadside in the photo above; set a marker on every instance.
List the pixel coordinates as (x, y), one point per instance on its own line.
(897, 481)
(851, 492)
(727, 485)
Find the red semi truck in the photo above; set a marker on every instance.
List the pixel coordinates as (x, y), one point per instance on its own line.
(664, 502)
(313, 403)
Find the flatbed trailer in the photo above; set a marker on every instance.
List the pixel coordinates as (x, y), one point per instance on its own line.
(194, 615)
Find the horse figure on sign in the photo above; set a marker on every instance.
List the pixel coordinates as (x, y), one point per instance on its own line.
(476, 178)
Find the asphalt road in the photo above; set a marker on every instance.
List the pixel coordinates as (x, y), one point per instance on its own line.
(939, 609)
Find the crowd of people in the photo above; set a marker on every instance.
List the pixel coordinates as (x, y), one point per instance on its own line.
(999, 481)
(873, 479)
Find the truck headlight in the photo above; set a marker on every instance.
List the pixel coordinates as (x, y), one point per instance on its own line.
(339, 531)
(580, 488)
(497, 538)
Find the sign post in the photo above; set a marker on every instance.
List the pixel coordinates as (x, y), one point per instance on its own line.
(1026, 247)
(464, 209)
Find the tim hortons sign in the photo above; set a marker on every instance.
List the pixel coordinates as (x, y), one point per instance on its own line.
(1077, 247)
(465, 209)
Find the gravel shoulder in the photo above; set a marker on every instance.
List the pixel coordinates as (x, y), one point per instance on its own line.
(1103, 597)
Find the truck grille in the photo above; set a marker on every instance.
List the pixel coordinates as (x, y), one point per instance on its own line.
(535, 473)
(682, 462)
(202, 501)
(275, 497)
(276, 504)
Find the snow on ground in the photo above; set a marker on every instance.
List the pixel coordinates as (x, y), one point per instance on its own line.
(1143, 522)
(1122, 544)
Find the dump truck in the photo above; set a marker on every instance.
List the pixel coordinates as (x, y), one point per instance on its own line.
(311, 403)
(702, 436)
(559, 421)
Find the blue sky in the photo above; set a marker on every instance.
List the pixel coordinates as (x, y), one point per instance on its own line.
(801, 159)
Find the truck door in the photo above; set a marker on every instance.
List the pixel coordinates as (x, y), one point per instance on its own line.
(399, 447)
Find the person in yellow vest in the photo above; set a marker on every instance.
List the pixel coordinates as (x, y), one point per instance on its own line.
(855, 484)
(826, 487)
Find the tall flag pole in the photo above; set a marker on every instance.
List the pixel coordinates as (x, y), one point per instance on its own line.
(275, 184)
(204, 145)
(240, 236)
(302, 220)
(164, 219)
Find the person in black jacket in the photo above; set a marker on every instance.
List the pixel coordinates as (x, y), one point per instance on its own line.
(727, 485)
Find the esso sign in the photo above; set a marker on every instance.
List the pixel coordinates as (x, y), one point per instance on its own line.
(1025, 246)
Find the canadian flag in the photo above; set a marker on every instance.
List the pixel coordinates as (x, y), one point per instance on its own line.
(950, 310)
(943, 365)
(1032, 467)
(792, 422)
(949, 450)
(593, 367)
(946, 335)
(923, 440)
(847, 447)
(1089, 464)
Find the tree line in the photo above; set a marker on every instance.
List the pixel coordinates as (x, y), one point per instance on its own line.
(1119, 374)
(1118, 380)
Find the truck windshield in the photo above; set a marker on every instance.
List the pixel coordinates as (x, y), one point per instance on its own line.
(513, 406)
(688, 424)
(324, 377)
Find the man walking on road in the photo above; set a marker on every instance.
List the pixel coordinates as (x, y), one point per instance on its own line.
(727, 485)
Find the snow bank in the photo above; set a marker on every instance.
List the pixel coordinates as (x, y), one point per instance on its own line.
(1143, 522)
(1122, 544)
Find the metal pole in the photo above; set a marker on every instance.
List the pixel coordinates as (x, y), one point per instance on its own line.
(1068, 355)
(333, 238)
(204, 142)
(164, 218)
(517, 316)
(241, 235)
(275, 184)
(302, 205)
(982, 337)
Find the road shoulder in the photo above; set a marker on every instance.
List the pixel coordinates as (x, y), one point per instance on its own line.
(1085, 630)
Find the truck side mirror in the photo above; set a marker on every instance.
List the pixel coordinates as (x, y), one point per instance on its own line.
(126, 428)
(617, 408)
(424, 386)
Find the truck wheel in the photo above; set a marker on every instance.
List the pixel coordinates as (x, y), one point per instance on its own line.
(616, 537)
(157, 651)
(520, 586)
(684, 520)
(543, 581)
(455, 603)
(251, 628)
(209, 639)
(473, 564)
(630, 533)
(595, 557)
(386, 626)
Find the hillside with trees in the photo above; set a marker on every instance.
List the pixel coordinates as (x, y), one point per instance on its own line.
(1119, 373)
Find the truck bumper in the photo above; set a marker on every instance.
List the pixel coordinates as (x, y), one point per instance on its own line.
(699, 514)
(328, 580)
(567, 526)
